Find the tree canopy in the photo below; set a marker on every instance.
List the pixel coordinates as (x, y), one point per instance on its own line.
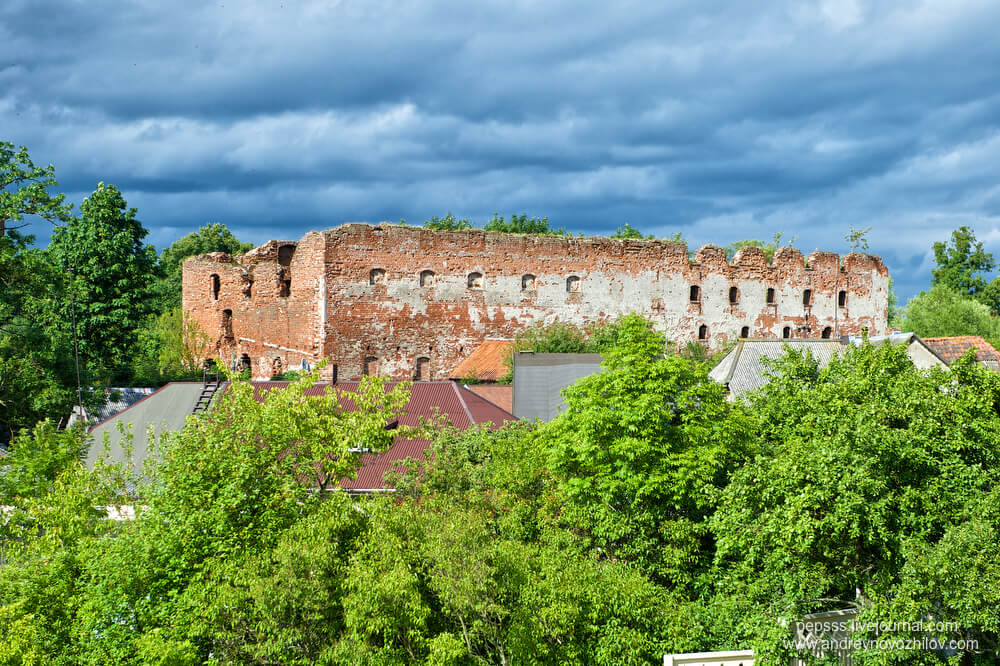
(109, 271)
(942, 311)
(213, 237)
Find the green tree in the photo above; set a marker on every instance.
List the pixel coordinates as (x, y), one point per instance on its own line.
(769, 247)
(197, 573)
(448, 223)
(170, 347)
(24, 190)
(109, 270)
(641, 453)
(862, 465)
(522, 224)
(960, 262)
(942, 311)
(213, 237)
(628, 231)
(857, 238)
(35, 362)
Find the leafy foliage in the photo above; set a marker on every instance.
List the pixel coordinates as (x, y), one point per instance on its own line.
(213, 237)
(448, 223)
(641, 453)
(24, 190)
(942, 311)
(522, 224)
(561, 338)
(109, 272)
(35, 357)
(628, 231)
(960, 262)
(769, 247)
(862, 465)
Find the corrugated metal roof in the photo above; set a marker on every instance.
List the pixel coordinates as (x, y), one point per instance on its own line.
(485, 362)
(120, 399)
(501, 395)
(461, 406)
(743, 369)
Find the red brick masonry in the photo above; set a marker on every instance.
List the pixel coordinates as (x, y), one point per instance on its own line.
(412, 303)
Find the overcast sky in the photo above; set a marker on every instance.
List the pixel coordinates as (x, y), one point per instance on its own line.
(721, 120)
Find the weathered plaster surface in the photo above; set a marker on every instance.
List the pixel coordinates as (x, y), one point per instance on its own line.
(354, 292)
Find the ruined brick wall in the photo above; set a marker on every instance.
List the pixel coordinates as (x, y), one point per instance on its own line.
(393, 298)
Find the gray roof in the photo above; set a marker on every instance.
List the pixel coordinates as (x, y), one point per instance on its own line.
(540, 378)
(164, 410)
(743, 369)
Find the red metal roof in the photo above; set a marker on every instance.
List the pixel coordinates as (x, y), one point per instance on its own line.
(501, 395)
(952, 348)
(485, 363)
(462, 408)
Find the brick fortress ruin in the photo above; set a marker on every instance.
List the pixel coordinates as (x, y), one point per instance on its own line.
(411, 303)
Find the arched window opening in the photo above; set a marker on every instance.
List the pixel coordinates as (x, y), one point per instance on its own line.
(376, 276)
(527, 282)
(827, 332)
(247, 285)
(277, 367)
(842, 299)
(227, 323)
(245, 364)
(475, 281)
(745, 332)
(770, 296)
(215, 286)
(371, 366)
(573, 284)
(734, 295)
(807, 296)
(786, 332)
(703, 332)
(426, 278)
(695, 293)
(423, 370)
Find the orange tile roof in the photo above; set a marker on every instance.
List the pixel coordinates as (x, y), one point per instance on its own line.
(951, 349)
(485, 363)
(501, 395)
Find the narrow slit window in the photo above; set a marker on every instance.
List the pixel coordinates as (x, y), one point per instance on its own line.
(745, 332)
(422, 371)
(734, 295)
(215, 286)
(227, 323)
(703, 332)
(786, 332)
(842, 299)
(284, 286)
(770, 296)
(695, 293)
(807, 297)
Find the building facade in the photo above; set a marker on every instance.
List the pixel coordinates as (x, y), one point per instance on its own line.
(412, 303)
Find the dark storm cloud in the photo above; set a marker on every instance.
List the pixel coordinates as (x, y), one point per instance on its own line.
(722, 120)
